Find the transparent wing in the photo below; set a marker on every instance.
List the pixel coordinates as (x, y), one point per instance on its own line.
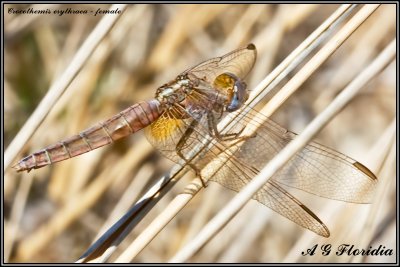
(315, 169)
(238, 62)
(234, 175)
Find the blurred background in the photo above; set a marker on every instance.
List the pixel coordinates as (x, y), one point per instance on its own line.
(53, 214)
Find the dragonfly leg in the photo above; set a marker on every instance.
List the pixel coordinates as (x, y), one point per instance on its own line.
(179, 148)
(225, 137)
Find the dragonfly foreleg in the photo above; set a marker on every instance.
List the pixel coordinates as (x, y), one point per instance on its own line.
(212, 127)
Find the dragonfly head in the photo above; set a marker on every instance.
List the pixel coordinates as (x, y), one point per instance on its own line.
(234, 90)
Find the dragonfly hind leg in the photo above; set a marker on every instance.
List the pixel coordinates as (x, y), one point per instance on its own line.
(179, 148)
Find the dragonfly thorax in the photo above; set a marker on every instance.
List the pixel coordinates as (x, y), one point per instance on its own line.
(175, 91)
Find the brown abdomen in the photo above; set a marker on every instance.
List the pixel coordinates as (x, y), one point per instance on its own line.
(124, 123)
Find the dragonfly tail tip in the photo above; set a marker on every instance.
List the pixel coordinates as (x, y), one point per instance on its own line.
(18, 168)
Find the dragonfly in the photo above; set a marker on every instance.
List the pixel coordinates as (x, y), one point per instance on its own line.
(186, 111)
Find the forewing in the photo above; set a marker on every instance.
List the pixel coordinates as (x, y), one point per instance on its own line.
(315, 169)
(238, 62)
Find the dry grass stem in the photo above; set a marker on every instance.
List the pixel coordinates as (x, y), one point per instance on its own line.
(112, 203)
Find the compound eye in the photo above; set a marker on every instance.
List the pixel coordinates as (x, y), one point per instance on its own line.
(239, 96)
(233, 88)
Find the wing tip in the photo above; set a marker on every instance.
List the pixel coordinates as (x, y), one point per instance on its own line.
(365, 170)
(322, 229)
(325, 233)
(251, 46)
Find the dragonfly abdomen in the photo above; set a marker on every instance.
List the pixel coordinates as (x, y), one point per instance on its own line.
(126, 122)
